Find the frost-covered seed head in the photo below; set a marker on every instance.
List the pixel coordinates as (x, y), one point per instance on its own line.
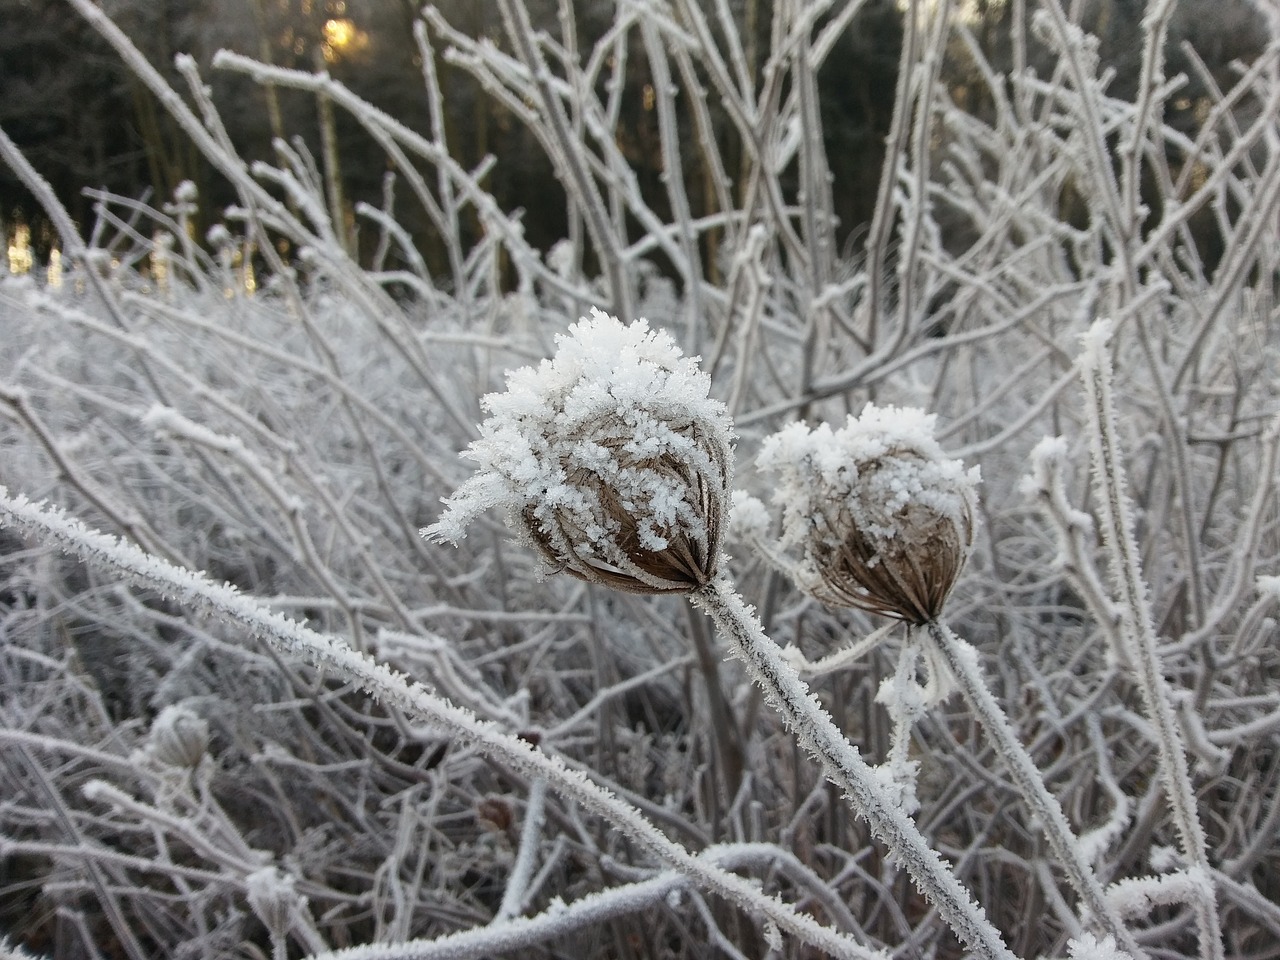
(884, 519)
(274, 898)
(611, 460)
(179, 737)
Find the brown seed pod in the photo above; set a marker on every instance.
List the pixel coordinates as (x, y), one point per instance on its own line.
(885, 521)
(908, 577)
(610, 460)
(686, 561)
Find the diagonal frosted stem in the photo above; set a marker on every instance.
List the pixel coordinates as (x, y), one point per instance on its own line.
(1138, 628)
(818, 734)
(962, 661)
(336, 657)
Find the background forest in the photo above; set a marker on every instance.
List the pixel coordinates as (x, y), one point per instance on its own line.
(85, 121)
(266, 259)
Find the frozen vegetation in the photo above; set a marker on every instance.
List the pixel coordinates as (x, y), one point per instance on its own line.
(718, 583)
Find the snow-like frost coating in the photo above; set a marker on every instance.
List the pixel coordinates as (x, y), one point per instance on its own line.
(274, 898)
(611, 459)
(883, 517)
(1268, 586)
(1088, 947)
(748, 518)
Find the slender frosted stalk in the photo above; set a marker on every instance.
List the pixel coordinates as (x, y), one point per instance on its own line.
(1138, 627)
(518, 935)
(817, 733)
(334, 656)
(517, 891)
(962, 661)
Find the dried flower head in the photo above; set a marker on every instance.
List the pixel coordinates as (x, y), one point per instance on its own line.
(611, 460)
(274, 898)
(179, 737)
(884, 519)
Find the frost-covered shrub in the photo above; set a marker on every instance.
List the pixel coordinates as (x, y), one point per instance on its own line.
(293, 439)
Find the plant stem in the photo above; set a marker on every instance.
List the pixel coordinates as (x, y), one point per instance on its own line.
(845, 767)
(727, 738)
(1138, 628)
(961, 660)
(337, 658)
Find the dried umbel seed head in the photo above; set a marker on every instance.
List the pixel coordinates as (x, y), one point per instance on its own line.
(179, 737)
(274, 898)
(885, 521)
(611, 460)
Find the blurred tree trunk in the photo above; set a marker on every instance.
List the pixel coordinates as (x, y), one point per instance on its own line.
(265, 55)
(342, 228)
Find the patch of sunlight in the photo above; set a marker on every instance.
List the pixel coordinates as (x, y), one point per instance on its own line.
(21, 256)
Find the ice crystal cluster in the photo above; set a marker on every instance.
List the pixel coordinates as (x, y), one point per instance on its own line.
(883, 518)
(610, 459)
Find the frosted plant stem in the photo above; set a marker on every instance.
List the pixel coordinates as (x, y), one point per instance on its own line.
(337, 658)
(817, 733)
(961, 659)
(517, 891)
(519, 935)
(1138, 627)
(566, 152)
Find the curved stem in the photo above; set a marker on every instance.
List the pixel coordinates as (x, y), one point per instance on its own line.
(844, 766)
(336, 657)
(962, 661)
(517, 890)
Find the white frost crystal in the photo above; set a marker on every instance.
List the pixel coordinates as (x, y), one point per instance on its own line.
(610, 459)
(748, 519)
(1088, 947)
(883, 517)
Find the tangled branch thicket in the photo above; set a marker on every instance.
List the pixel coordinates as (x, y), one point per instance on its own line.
(582, 772)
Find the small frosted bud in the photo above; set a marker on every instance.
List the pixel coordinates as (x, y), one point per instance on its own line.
(274, 899)
(611, 460)
(179, 737)
(219, 236)
(883, 518)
